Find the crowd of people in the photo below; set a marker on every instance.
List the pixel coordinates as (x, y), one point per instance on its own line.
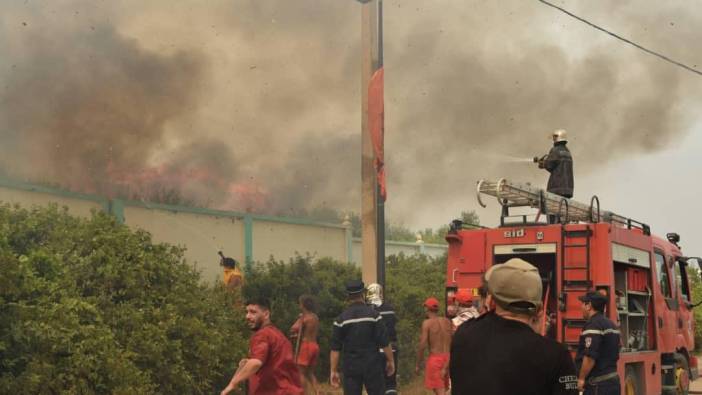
(490, 345)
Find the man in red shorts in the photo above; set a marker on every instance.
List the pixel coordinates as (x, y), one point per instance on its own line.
(436, 335)
(307, 326)
(269, 367)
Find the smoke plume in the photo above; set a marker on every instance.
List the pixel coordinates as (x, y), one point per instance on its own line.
(254, 105)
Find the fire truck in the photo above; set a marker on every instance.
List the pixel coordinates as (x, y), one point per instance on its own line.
(645, 277)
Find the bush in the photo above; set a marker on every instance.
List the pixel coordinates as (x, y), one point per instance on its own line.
(88, 306)
(410, 280)
(283, 283)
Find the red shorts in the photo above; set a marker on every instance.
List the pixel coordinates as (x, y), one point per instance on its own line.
(308, 353)
(432, 372)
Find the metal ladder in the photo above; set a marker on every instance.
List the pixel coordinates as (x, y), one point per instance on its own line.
(511, 194)
(573, 240)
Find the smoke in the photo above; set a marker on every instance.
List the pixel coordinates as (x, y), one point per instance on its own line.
(254, 105)
(81, 101)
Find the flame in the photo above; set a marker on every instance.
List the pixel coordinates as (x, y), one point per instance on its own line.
(192, 186)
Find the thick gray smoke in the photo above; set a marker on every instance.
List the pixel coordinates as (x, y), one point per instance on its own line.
(254, 105)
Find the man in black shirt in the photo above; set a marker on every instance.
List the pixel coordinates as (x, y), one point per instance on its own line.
(598, 350)
(374, 297)
(358, 334)
(499, 353)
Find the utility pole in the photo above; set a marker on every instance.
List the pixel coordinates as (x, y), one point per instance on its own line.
(372, 201)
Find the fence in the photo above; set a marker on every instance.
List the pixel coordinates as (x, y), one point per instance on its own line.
(243, 236)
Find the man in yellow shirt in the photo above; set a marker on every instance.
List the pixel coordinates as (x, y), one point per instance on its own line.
(233, 277)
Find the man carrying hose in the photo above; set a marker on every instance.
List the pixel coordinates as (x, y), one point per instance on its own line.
(558, 162)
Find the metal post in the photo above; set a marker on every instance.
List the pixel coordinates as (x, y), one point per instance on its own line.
(379, 200)
(369, 200)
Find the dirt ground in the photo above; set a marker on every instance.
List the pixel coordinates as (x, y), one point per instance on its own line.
(696, 386)
(413, 388)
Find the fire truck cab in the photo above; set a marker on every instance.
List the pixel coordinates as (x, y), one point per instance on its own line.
(645, 277)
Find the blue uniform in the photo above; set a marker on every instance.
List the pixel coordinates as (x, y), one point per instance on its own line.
(599, 340)
(358, 334)
(389, 319)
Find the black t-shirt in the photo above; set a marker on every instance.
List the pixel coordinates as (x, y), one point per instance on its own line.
(491, 355)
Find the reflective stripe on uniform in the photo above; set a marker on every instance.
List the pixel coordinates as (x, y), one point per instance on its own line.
(387, 312)
(355, 320)
(599, 332)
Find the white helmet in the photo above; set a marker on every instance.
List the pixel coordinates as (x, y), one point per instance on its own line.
(559, 135)
(374, 294)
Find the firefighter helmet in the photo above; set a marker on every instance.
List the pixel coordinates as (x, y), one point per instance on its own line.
(559, 135)
(374, 294)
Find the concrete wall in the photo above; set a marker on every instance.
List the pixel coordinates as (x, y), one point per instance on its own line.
(245, 237)
(397, 247)
(29, 195)
(285, 239)
(203, 235)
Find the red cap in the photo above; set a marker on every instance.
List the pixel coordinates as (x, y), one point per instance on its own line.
(464, 296)
(432, 303)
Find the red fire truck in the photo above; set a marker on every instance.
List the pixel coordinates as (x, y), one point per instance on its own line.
(645, 277)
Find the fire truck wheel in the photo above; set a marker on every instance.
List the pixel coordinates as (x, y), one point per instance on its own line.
(682, 377)
(630, 381)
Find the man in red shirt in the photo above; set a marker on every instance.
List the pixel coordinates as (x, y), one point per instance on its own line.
(270, 367)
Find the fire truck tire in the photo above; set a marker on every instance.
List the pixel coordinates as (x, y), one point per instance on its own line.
(630, 381)
(682, 374)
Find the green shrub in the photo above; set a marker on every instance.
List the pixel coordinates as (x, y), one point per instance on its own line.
(283, 283)
(410, 280)
(88, 306)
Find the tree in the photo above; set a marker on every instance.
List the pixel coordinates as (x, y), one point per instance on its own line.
(410, 280)
(90, 306)
(283, 284)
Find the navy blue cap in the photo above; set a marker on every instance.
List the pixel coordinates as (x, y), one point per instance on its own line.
(593, 297)
(354, 287)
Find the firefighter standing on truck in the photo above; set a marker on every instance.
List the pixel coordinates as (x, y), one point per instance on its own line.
(558, 162)
(359, 334)
(598, 350)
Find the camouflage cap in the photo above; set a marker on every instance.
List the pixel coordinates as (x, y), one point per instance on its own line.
(515, 285)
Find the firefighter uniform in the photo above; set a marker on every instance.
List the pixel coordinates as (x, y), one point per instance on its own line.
(599, 340)
(387, 312)
(559, 163)
(358, 334)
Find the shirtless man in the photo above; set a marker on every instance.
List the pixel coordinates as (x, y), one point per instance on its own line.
(436, 335)
(308, 351)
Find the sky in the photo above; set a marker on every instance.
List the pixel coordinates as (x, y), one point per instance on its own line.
(255, 104)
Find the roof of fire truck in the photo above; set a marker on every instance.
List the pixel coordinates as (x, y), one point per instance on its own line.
(510, 194)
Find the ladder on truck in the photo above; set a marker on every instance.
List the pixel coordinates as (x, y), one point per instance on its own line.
(510, 194)
(575, 279)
